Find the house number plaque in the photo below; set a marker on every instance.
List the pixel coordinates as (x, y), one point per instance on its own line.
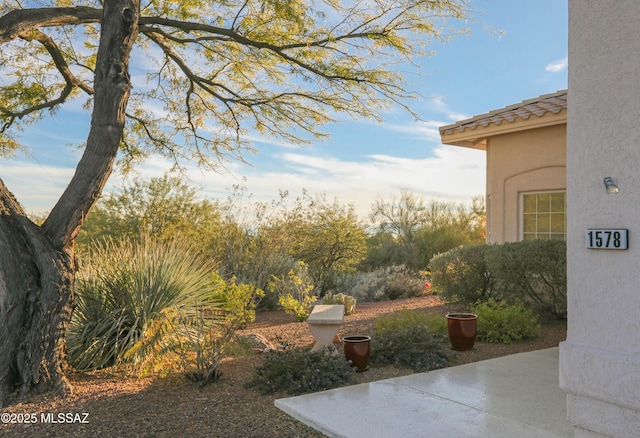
(597, 238)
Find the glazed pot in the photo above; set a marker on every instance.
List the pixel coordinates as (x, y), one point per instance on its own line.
(356, 350)
(462, 329)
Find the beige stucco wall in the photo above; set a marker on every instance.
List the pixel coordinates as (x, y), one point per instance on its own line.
(528, 161)
(600, 360)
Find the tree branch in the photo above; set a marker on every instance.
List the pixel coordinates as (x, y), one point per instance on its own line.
(57, 57)
(71, 81)
(280, 50)
(18, 21)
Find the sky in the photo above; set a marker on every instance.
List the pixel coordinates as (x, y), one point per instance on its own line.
(362, 161)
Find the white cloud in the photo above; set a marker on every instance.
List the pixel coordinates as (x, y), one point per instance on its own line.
(558, 66)
(36, 187)
(456, 117)
(439, 105)
(451, 174)
(426, 130)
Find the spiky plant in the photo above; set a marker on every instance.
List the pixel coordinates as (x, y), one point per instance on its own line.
(132, 296)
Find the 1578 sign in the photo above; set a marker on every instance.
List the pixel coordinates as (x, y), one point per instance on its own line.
(607, 238)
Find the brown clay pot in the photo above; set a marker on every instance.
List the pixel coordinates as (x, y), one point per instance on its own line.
(462, 329)
(356, 350)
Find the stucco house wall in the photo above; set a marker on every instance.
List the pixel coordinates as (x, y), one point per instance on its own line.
(521, 162)
(526, 153)
(600, 360)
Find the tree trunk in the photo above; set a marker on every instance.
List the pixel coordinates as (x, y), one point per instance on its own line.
(36, 296)
(37, 264)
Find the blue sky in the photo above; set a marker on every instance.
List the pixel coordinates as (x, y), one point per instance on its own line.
(363, 160)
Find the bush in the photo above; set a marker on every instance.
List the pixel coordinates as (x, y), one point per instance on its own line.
(259, 271)
(299, 372)
(503, 323)
(461, 275)
(531, 271)
(130, 298)
(241, 300)
(300, 309)
(348, 301)
(403, 282)
(414, 347)
(387, 283)
(295, 292)
(363, 286)
(437, 324)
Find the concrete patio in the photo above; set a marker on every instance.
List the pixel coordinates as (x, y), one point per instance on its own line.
(512, 396)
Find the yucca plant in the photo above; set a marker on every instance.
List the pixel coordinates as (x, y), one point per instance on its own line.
(132, 296)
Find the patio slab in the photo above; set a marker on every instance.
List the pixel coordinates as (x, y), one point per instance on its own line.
(515, 395)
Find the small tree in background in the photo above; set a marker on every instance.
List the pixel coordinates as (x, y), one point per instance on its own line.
(328, 237)
(163, 208)
(450, 225)
(411, 231)
(253, 245)
(401, 217)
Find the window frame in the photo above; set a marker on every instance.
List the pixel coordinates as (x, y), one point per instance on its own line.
(549, 234)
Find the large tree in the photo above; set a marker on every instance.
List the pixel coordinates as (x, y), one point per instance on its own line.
(214, 70)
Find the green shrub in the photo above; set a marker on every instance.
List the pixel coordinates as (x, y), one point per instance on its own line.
(414, 347)
(241, 300)
(300, 309)
(348, 301)
(437, 324)
(258, 270)
(363, 286)
(132, 296)
(502, 323)
(298, 371)
(403, 282)
(295, 292)
(386, 283)
(531, 271)
(461, 275)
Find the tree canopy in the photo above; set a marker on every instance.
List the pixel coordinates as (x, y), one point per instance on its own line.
(205, 73)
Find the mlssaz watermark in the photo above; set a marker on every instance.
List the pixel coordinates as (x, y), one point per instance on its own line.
(65, 417)
(45, 417)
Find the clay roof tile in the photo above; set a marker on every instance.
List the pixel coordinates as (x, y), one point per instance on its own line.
(539, 106)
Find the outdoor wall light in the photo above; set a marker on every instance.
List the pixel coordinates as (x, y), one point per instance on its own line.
(610, 185)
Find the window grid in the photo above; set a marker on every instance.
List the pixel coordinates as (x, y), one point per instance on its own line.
(544, 215)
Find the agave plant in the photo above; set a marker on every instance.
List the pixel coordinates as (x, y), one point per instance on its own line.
(131, 297)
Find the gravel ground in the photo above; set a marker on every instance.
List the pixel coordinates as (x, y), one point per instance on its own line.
(107, 404)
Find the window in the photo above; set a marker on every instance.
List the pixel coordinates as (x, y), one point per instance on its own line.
(544, 215)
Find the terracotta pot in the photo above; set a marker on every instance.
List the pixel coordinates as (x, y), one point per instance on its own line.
(462, 328)
(356, 350)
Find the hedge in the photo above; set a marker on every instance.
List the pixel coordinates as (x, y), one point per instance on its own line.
(533, 272)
